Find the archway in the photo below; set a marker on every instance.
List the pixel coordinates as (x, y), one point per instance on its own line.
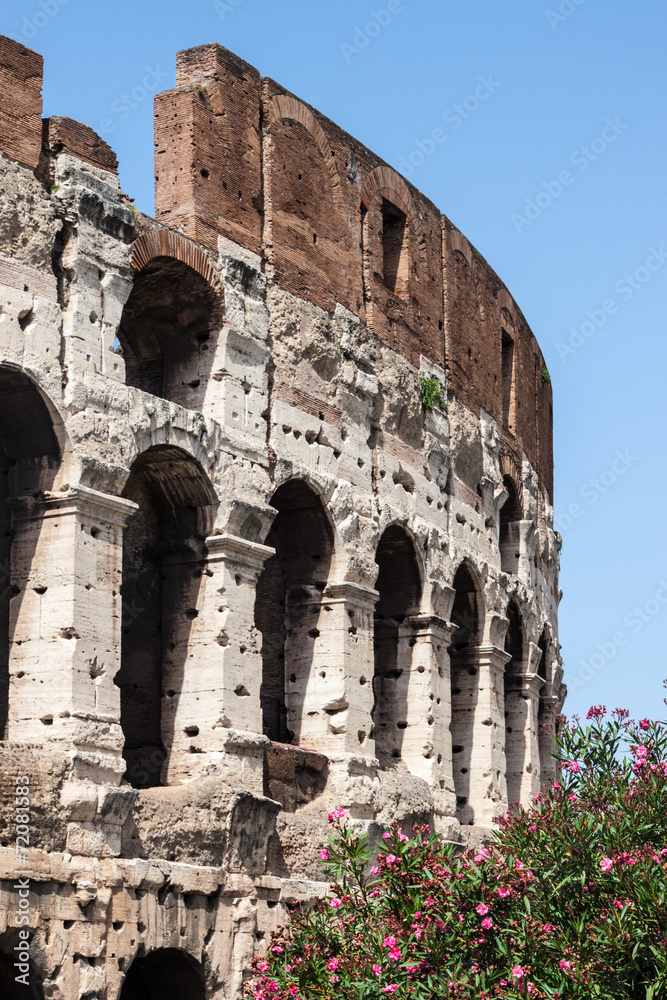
(288, 609)
(517, 707)
(464, 659)
(29, 461)
(163, 553)
(399, 585)
(10, 989)
(165, 974)
(509, 539)
(167, 331)
(546, 723)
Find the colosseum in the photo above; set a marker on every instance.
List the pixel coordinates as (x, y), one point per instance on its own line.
(277, 531)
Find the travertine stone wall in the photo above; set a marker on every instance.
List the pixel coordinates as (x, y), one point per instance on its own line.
(246, 576)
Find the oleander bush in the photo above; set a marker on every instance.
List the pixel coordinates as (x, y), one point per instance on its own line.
(569, 901)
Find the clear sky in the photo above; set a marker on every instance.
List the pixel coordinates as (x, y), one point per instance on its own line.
(572, 89)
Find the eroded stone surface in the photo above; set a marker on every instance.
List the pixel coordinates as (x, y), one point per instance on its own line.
(247, 577)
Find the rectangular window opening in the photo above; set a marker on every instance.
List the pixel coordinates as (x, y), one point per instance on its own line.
(394, 249)
(508, 380)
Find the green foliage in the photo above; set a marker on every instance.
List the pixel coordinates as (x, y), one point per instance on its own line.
(431, 393)
(53, 188)
(569, 901)
(546, 377)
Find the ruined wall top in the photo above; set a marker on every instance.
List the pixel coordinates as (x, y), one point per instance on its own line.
(239, 158)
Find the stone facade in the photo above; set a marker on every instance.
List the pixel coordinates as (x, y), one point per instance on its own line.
(247, 576)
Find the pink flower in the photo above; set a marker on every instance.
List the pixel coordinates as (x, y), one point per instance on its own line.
(386, 836)
(596, 712)
(336, 814)
(645, 724)
(482, 909)
(487, 923)
(374, 870)
(324, 854)
(391, 858)
(377, 969)
(564, 965)
(618, 904)
(503, 892)
(606, 864)
(391, 988)
(556, 786)
(575, 768)
(517, 972)
(394, 954)
(277, 949)
(548, 928)
(335, 904)
(642, 752)
(332, 964)
(389, 941)
(262, 966)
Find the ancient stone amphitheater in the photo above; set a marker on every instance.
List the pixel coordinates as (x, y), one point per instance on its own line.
(247, 575)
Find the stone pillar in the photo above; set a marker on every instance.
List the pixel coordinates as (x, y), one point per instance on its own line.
(329, 668)
(478, 736)
(211, 714)
(423, 654)
(522, 755)
(66, 567)
(549, 708)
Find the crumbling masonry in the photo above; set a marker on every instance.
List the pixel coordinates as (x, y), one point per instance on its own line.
(247, 576)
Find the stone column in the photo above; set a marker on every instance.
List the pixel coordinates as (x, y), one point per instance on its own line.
(479, 731)
(329, 668)
(423, 654)
(549, 708)
(522, 755)
(66, 567)
(211, 712)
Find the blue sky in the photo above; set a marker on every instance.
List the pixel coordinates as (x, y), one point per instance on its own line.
(573, 121)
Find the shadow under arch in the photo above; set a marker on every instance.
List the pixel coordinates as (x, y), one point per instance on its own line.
(288, 606)
(399, 584)
(517, 707)
(164, 974)
(32, 439)
(168, 328)
(163, 560)
(546, 723)
(467, 615)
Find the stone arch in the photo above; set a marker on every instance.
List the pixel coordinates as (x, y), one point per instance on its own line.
(170, 321)
(459, 244)
(164, 974)
(468, 617)
(32, 442)
(517, 704)
(290, 613)
(163, 556)
(399, 584)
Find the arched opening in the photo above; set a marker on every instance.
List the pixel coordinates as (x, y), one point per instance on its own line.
(167, 331)
(386, 246)
(510, 538)
(165, 974)
(399, 585)
(163, 554)
(517, 707)
(15, 984)
(464, 659)
(29, 461)
(288, 608)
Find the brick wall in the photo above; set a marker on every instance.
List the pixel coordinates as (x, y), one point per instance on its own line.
(21, 73)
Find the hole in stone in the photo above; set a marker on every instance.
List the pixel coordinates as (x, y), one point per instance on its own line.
(191, 730)
(40, 590)
(47, 720)
(241, 691)
(191, 614)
